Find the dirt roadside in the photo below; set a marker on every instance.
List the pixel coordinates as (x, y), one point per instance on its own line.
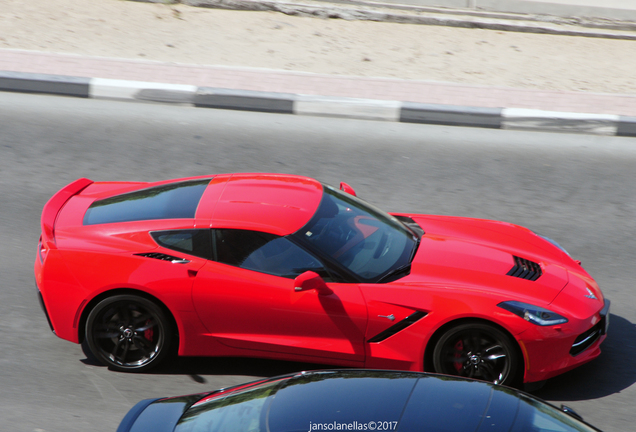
(183, 34)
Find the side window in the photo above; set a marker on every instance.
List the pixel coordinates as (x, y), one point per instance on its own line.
(196, 242)
(265, 253)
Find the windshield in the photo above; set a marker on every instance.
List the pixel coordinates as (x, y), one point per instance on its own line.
(238, 411)
(537, 416)
(366, 241)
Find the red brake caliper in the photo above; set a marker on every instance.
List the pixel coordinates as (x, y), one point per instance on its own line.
(148, 333)
(459, 348)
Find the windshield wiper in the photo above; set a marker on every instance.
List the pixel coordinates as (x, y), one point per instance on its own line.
(399, 271)
(404, 270)
(416, 246)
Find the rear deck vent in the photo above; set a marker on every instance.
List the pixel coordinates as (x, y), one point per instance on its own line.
(160, 256)
(525, 269)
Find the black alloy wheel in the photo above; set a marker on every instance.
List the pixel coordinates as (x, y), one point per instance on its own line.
(479, 351)
(128, 333)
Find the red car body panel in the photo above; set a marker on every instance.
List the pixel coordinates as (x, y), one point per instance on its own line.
(458, 273)
(272, 317)
(283, 203)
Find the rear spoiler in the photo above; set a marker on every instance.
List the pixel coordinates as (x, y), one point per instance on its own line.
(55, 204)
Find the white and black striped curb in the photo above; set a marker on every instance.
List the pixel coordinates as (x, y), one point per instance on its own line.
(288, 103)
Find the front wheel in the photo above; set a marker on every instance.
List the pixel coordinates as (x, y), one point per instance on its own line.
(479, 351)
(128, 333)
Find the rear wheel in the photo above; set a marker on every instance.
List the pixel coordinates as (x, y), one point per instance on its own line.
(479, 351)
(128, 333)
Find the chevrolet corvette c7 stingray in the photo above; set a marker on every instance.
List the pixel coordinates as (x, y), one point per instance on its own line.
(285, 267)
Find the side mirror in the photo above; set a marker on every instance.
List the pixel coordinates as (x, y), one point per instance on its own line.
(311, 281)
(346, 188)
(569, 411)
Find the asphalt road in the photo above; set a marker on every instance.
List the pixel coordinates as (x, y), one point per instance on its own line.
(576, 189)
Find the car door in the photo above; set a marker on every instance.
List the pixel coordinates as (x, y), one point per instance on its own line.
(246, 299)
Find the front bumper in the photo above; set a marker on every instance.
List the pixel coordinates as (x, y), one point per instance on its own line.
(591, 336)
(552, 351)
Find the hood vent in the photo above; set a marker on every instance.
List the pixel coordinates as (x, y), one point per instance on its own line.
(525, 269)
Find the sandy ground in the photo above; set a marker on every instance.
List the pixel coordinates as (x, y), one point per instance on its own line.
(182, 34)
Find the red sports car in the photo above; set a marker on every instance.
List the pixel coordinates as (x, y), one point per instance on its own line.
(285, 267)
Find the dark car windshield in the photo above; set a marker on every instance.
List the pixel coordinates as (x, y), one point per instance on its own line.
(365, 240)
(239, 411)
(381, 400)
(293, 405)
(538, 416)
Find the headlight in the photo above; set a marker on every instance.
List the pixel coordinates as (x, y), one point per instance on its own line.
(535, 314)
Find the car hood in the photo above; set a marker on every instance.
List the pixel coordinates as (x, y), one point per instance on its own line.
(479, 254)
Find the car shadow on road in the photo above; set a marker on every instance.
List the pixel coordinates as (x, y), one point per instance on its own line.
(198, 367)
(612, 372)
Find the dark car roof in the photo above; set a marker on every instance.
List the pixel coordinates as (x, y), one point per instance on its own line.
(363, 400)
(441, 403)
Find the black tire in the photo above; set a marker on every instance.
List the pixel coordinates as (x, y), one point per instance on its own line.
(128, 333)
(480, 351)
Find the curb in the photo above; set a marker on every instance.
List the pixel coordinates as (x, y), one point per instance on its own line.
(324, 106)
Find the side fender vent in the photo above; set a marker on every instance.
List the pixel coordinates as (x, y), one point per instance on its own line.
(525, 269)
(160, 256)
(398, 327)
